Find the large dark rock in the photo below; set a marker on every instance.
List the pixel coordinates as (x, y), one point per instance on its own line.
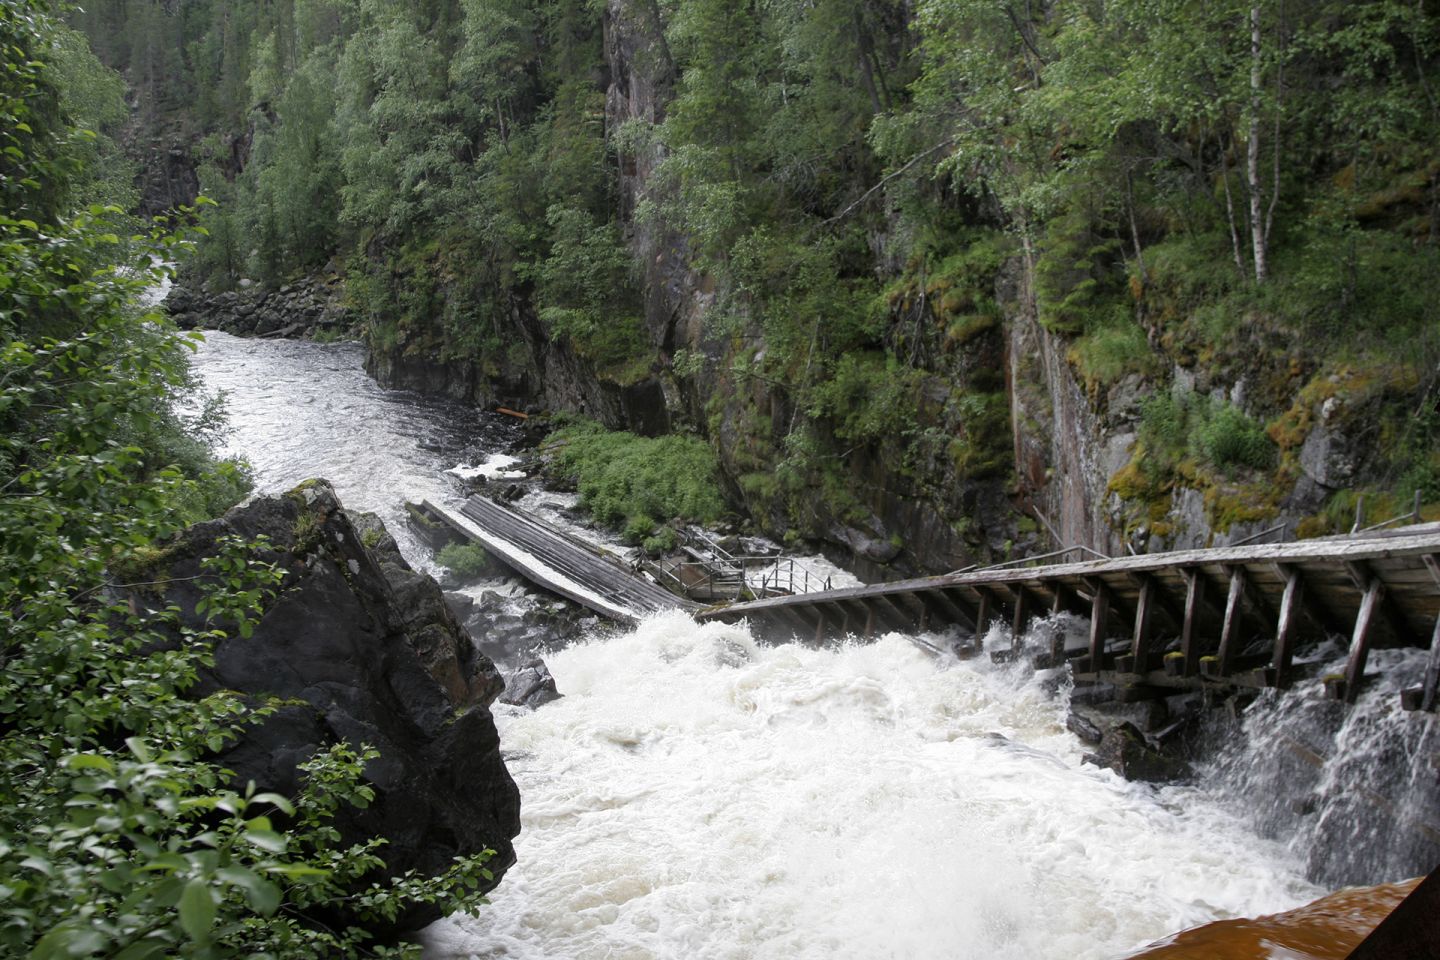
(346, 654)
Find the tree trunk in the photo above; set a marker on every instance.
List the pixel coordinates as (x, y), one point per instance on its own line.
(1230, 209)
(1252, 151)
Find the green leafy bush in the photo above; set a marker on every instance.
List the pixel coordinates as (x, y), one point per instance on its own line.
(120, 836)
(1228, 439)
(466, 559)
(627, 482)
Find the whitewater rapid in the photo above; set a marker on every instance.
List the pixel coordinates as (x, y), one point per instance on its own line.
(696, 795)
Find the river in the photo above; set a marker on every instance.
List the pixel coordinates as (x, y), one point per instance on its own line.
(697, 795)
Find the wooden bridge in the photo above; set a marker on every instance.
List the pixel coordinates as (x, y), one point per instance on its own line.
(1162, 623)
(553, 559)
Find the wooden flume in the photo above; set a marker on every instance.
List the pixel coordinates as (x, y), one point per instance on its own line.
(1231, 617)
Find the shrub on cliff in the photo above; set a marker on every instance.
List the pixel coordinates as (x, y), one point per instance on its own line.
(118, 837)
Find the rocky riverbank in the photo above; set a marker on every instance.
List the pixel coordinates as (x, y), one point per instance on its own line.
(311, 307)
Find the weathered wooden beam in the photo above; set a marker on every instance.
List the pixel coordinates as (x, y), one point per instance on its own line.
(1021, 618)
(1395, 625)
(1285, 626)
(1061, 599)
(1432, 563)
(869, 622)
(1194, 601)
(897, 618)
(1431, 687)
(1230, 630)
(1160, 601)
(799, 626)
(819, 626)
(954, 613)
(914, 607)
(1360, 639)
(983, 612)
(1140, 638)
(1099, 621)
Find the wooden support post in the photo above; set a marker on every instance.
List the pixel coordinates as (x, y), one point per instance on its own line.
(1285, 625)
(952, 610)
(982, 615)
(1432, 672)
(819, 627)
(1099, 621)
(1140, 640)
(924, 617)
(1360, 640)
(1021, 618)
(844, 621)
(1432, 563)
(1057, 600)
(869, 622)
(898, 619)
(1194, 599)
(1229, 633)
(798, 624)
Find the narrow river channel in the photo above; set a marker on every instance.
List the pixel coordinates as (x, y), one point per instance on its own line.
(696, 795)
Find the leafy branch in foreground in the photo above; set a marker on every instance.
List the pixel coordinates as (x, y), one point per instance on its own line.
(121, 835)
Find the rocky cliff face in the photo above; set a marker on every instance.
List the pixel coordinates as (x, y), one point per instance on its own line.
(359, 648)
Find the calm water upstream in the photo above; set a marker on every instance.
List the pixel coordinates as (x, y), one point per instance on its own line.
(696, 795)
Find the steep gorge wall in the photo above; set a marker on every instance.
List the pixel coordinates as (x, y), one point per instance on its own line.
(967, 397)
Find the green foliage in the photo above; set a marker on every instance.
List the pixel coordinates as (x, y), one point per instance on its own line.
(1111, 349)
(869, 397)
(465, 559)
(1176, 426)
(120, 836)
(1229, 439)
(634, 483)
(585, 292)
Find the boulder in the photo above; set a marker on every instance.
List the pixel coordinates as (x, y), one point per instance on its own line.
(531, 686)
(360, 649)
(1124, 749)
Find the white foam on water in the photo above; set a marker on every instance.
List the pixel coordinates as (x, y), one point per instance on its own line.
(493, 468)
(695, 795)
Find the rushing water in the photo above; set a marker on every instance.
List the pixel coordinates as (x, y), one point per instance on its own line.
(696, 795)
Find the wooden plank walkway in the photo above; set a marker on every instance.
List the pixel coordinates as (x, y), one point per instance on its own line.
(558, 562)
(1232, 617)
